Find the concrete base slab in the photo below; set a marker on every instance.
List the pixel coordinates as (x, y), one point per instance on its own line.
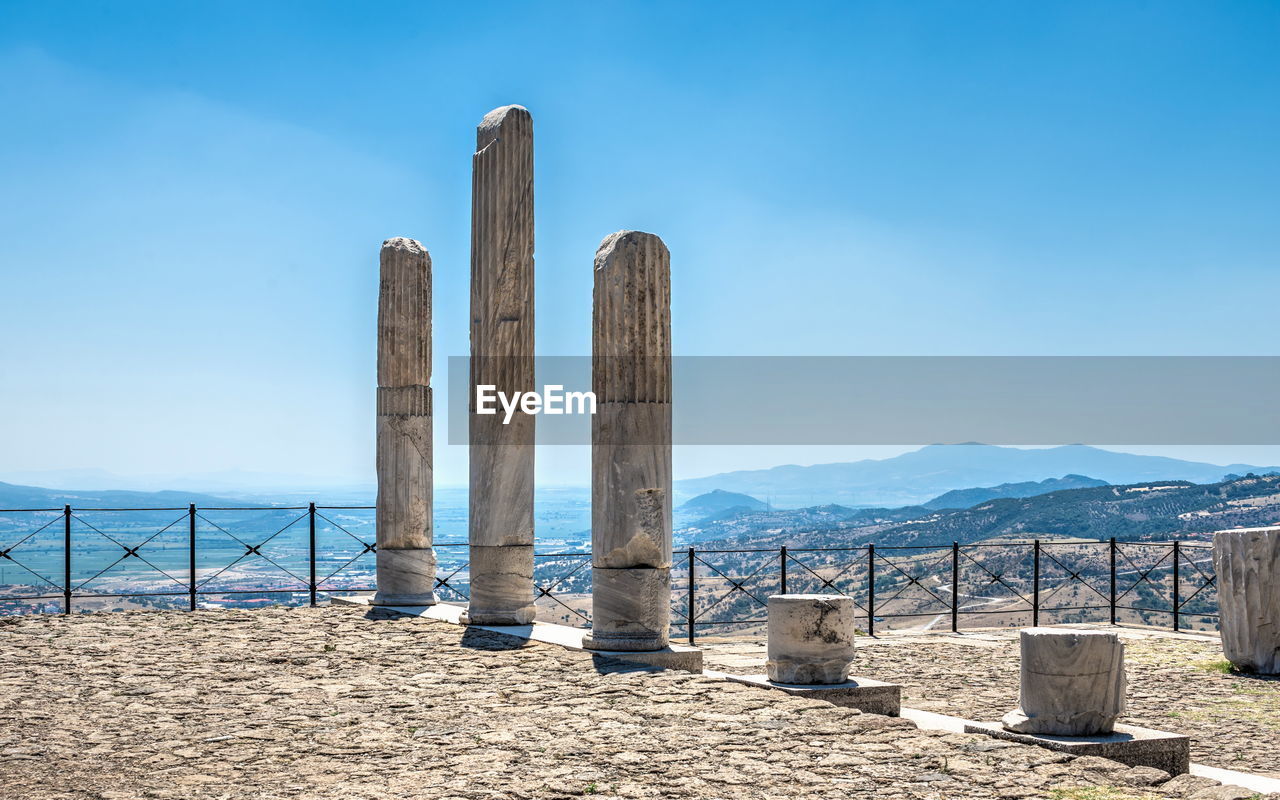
(688, 659)
(1137, 747)
(864, 694)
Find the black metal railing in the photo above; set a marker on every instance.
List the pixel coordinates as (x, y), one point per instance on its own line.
(103, 558)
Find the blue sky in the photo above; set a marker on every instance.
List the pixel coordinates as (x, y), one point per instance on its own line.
(194, 195)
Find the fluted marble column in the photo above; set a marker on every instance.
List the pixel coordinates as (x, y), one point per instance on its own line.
(406, 565)
(501, 494)
(1247, 563)
(631, 444)
(1073, 683)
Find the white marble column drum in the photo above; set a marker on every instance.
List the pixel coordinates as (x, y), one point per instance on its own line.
(1247, 564)
(500, 524)
(631, 445)
(406, 564)
(1072, 683)
(811, 638)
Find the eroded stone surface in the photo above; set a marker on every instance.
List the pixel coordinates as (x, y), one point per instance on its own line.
(333, 703)
(501, 455)
(406, 565)
(1072, 683)
(630, 610)
(811, 638)
(500, 591)
(1247, 564)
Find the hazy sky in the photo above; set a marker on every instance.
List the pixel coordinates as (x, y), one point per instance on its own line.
(194, 195)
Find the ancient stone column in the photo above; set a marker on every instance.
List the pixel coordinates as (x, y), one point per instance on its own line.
(1072, 683)
(1247, 562)
(406, 565)
(501, 495)
(631, 445)
(810, 638)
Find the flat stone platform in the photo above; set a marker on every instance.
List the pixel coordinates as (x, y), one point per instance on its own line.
(687, 659)
(363, 704)
(1137, 747)
(864, 694)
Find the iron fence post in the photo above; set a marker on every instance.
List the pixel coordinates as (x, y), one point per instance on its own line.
(1177, 595)
(871, 590)
(311, 525)
(1113, 580)
(1035, 584)
(782, 560)
(955, 587)
(66, 559)
(689, 599)
(191, 553)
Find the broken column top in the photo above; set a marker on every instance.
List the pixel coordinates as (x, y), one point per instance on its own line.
(631, 337)
(404, 314)
(506, 118)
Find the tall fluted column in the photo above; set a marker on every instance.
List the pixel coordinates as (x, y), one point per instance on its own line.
(406, 565)
(631, 444)
(501, 495)
(1247, 563)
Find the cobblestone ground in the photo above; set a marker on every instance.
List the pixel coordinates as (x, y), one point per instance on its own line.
(1176, 683)
(337, 703)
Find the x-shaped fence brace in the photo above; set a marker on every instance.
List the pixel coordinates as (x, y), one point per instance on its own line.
(735, 585)
(827, 583)
(1073, 577)
(367, 547)
(913, 580)
(997, 578)
(7, 553)
(130, 552)
(546, 591)
(1143, 575)
(1208, 581)
(254, 550)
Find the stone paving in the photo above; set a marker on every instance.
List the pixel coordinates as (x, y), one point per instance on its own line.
(342, 703)
(1176, 684)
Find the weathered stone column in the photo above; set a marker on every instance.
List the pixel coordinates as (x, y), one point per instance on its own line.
(501, 495)
(1247, 563)
(1072, 683)
(810, 638)
(631, 445)
(406, 565)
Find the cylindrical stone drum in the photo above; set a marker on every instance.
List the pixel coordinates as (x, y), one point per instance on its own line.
(1247, 563)
(810, 638)
(1072, 683)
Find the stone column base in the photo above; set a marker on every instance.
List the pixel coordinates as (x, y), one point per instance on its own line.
(405, 577)
(501, 586)
(630, 609)
(810, 638)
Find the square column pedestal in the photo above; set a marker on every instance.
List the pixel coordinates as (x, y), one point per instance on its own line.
(864, 694)
(1128, 744)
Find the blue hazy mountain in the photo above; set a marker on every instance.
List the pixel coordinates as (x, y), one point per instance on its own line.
(968, 498)
(921, 475)
(14, 496)
(717, 502)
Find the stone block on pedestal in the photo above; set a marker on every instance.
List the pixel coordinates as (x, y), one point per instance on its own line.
(1072, 683)
(811, 638)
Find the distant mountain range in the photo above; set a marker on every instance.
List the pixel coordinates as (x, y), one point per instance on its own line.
(919, 476)
(1161, 510)
(14, 496)
(967, 498)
